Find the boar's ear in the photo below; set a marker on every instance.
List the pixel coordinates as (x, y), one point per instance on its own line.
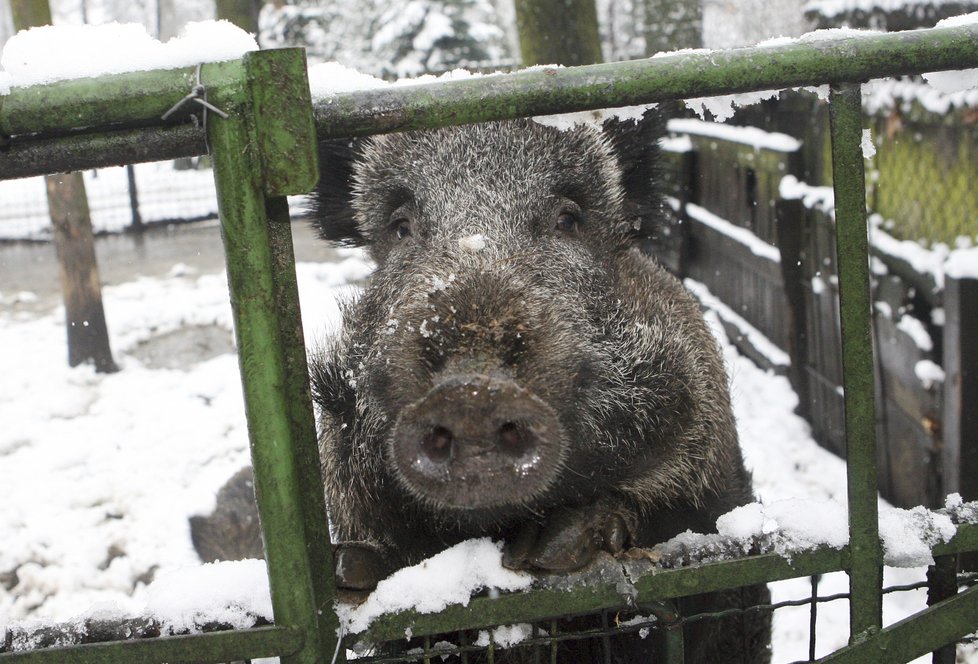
(636, 144)
(331, 206)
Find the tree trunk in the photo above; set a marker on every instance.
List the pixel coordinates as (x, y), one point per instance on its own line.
(243, 13)
(30, 13)
(88, 335)
(88, 338)
(561, 32)
(673, 24)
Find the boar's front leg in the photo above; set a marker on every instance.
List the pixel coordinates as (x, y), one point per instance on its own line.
(360, 566)
(569, 539)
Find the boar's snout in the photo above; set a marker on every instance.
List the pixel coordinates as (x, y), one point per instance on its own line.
(477, 441)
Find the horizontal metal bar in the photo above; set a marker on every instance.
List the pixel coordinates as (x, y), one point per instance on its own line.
(22, 159)
(658, 584)
(684, 75)
(134, 99)
(964, 540)
(916, 635)
(652, 584)
(91, 104)
(214, 647)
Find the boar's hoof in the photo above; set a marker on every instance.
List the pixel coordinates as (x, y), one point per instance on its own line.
(359, 566)
(477, 441)
(570, 540)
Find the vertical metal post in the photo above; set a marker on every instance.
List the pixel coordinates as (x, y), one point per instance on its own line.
(852, 248)
(263, 151)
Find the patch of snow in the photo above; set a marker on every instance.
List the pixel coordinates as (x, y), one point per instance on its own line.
(640, 620)
(329, 78)
(757, 246)
(439, 284)
(813, 198)
(909, 535)
(752, 136)
(928, 373)
(505, 635)
(758, 340)
(450, 577)
(231, 592)
(882, 95)
(595, 118)
(676, 143)
(473, 243)
(818, 285)
(795, 525)
(914, 329)
(867, 145)
(960, 80)
(962, 264)
(723, 107)
(59, 52)
(926, 261)
(830, 34)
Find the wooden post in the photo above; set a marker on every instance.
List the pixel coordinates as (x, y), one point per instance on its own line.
(961, 387)
(88, 338)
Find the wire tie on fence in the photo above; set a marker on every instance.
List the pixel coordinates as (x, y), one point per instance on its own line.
(339, 643)
(197, 94)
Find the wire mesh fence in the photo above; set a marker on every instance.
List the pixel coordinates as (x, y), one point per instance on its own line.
(119, 199)
(545, 641)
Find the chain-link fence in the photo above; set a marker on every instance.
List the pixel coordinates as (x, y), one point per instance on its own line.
(119, 198)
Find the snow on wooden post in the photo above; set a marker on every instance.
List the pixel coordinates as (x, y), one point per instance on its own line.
(74, 243)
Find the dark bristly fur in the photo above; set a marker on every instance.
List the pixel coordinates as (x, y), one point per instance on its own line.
(626, 383)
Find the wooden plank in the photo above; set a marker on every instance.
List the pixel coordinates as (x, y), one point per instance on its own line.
(961, 387)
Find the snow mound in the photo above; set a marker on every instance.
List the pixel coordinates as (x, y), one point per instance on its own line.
(909, 535)
(231, 592)
(450, 577)
(59, 52)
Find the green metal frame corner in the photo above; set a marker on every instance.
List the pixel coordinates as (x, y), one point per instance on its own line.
(265, 150)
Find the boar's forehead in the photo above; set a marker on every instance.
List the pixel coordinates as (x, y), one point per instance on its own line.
(499, 165)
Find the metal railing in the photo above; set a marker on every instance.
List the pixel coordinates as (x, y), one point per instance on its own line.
(265, 150)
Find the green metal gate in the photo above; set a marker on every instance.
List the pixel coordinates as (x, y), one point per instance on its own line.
(266, 149)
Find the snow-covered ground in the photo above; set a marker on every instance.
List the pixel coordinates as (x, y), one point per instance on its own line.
(100, 472)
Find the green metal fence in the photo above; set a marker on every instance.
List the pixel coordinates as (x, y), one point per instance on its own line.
(265, 150)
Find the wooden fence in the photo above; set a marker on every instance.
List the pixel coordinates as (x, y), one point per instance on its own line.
(748, 230)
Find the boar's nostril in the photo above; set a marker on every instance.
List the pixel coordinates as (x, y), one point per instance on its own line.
(514, 439)
(437, 444)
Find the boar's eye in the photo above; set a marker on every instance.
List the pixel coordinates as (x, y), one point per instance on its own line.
(402, 227)
(566, 221)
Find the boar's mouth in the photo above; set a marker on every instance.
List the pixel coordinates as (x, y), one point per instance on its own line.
(477, 442)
